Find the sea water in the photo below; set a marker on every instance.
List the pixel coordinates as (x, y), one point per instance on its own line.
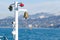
(32, 34)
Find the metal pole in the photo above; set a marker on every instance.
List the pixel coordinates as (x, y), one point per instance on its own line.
(16, 20)
(15, 24)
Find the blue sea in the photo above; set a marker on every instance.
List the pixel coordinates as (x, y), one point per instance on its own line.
(32, 34)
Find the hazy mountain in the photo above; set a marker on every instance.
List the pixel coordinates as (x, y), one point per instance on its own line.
(37, 15)
(40, 20)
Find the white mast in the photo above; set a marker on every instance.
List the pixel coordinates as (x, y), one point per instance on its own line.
(16, 20)
(15, 30)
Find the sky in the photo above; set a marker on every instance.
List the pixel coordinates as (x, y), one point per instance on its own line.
(33, 7)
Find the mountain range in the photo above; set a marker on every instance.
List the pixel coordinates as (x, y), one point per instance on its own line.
(38, 20)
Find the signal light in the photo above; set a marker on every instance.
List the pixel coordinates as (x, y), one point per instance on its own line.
(10, 8)
(25, 15)
(21, 4)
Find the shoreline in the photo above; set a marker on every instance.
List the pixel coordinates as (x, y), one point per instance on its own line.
(31, 28)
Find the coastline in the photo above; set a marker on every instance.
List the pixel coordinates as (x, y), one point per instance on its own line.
(31, 28)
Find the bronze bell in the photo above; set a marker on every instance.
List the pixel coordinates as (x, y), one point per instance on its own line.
(25, 15)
